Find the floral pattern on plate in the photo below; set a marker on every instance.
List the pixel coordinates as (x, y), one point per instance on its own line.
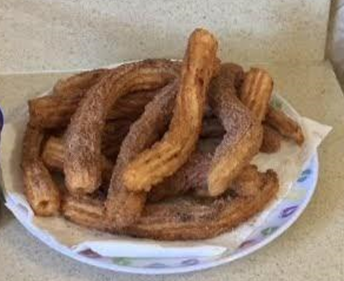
(287, 211)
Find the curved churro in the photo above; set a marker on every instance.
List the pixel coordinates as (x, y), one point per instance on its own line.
(53, 157)
(210, 174)
(185, 218)
(123, 207)
(78, 83)
(53, 153)
(271, 140)
(192, 175)
(188, 218)
(283, 124)
(181, 137)
(168, 155)
(243, 134)
(113, 136)
(83, 137)
(256, 92)
(131, 106)
(55, 111)
(40, 189)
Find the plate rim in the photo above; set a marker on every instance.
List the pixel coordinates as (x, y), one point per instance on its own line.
(64, 250)
(202, 266)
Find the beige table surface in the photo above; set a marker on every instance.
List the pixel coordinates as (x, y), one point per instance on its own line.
(312, 249)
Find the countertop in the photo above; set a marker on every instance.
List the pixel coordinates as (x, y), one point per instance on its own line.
(312, 249)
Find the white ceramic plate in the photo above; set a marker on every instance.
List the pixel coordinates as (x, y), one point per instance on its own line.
(281, 218)
(278, 221)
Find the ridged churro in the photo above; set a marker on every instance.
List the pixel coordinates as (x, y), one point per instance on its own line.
(243, 134)
(124, 207)
(271, 140)
(55, 111)
(286, 126)
(211, 173)
(168, 155)
(157, 149)
(40, 189)
(78, 83)
(256, 92)
(53, 155)
(83, 136)
(184, 218)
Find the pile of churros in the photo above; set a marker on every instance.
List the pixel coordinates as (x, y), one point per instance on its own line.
(158, 148)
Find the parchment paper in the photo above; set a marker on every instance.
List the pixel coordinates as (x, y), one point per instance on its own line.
(288, 163)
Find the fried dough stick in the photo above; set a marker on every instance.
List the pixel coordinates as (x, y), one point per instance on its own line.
(283, 124)
(40, 189)
(123, 207)
(82, 167)
(114, 134)
(168, 155)
(242, 139)
(271, 140)
(78, 83)
(256, 92)
(192, 177)
(185, 218)
(210, 174)
(53, 157)
(55, 111)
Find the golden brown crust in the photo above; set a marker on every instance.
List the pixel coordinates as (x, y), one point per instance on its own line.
(122, 206)
(286, 126)
(114, 133)
(168, 155)
(176, 176)
(191, 176)
(247, 181)
(55, 111)
(131, 106)
(226, 161)
(256, 92)
(78, 83)
(271, 140)
(188, 218)
(242, 139)
(40, 189)
(83, 136)
(53, 153)
(53, 157)
(184, 218)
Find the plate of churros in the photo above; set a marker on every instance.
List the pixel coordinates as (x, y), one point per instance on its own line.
(160, 166)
